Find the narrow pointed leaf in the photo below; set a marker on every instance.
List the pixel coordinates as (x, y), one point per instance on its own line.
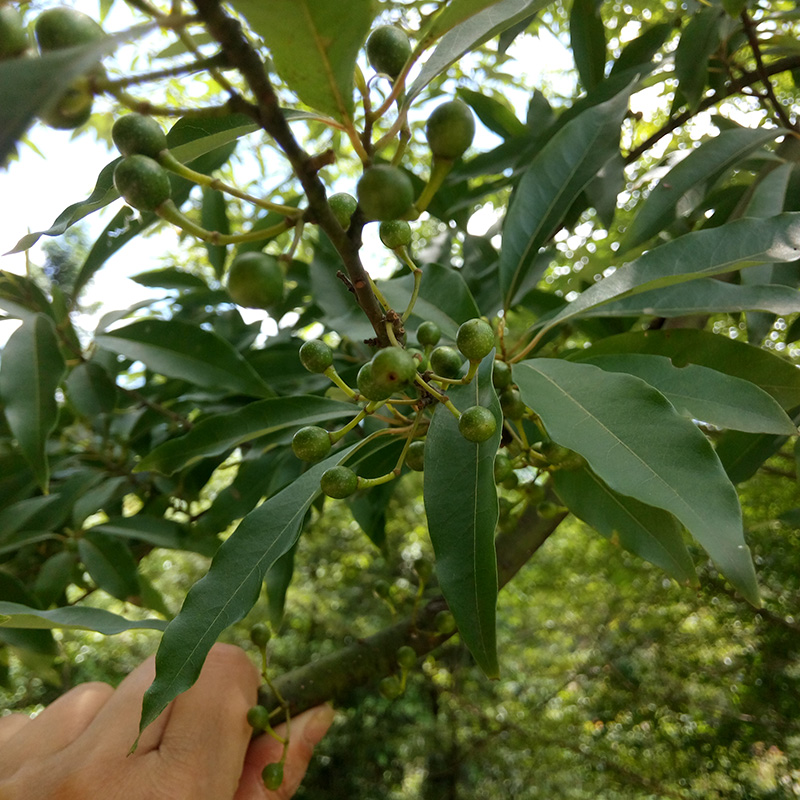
(634, 440)
(588, 41)
(32, 367)
(558, 174)
(462, 509)
(180, 350)
(110, 564)
(699, 39)
(454, 13)
(16, 615)
(651, 533)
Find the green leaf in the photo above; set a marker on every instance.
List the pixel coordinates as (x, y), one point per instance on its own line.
(773, 374)
(15, 615)
(556, 177)
(452, 14)
(693, 174)
(277, 581)
(153, 530)
(110, 564)
(223, 432)
(642, 49)
(91, 389)
(54, 576)
(462, 509)
(699, 39)
(735, 245)
(20, 297)
(495, 115)
(634, 440)
(704, 394)
(652, 533)
(313, 46)
(170, 278)
(181, 350)
(742, 454)
(588, 41)
(32, 367)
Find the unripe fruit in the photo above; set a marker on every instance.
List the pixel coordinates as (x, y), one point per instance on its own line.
(311, 443)
(501, 375)
(316, 356)
(60, 27)
(255, 280)
(395, 233)
(429, 333)
(477, 424)
(390, 687)
(272, 775)
(382, 589)
(260, 635)
(388, 49)
(137, 133)
(502, 467)
(142, 182)
(475, 339)
(73, 108)
(367, 387)
(450, 130)
(446, 361)
(419, 358)
(415, 457)
(512, 405)
(343, 206)
(258, 718)
(406, 657)
(385, 193)
(423, 568)
(13, 38)
(547, 509)
(444, 621)
(511, 482)
(339, 482)
(392, 368)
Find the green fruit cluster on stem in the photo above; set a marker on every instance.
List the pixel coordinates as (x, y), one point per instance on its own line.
(392, 368)
(343, 206)
(385, 193)
(311, 443)
(142, 182)
(13, 38)
(415, 456)
(61, 27)
(444, 621)
(501, 375)
(368, 388)
(71, 110)
(339, 482)
(260, 635)
(272, 775)
(395, 233)
(446, 361)
(388, 49)
(429, 333)
(258, 718)
(502, 467)
(511, 403)
(136, 133)
(390, 687)
(477, 424)
(406, 657)
(316, 356)
(475, 339)
(450, 130)
(255, 280)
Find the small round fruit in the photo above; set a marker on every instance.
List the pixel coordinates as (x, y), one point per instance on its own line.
(137, 133)
(13, 38)
(502, 467)
(258, 718)
(393, 368)
(547, 509)
(511, 482)
(475, 339)
(311, 443)
(423, 568)
(367, 386)
(339, 482)
(388, 49)
(343, 206)
(415, 457)
(511, 403)
(385, 193)
(260, 635)
(60, 27)
(395, 233)
(255, 280)
(406, 657)
(73, 108)
(501, 374)
(419, 358)
(446, 361)
(382, 589)
(429, 333)
(477, 424)
(450, 130)
(142, 182)
(316, 356)
(272, 775)
(390, 687)
(444, 621)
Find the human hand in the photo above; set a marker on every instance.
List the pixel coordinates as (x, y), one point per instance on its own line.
(199, 748)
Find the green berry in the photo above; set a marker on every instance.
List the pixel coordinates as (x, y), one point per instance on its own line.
(343, 206)
(60, 27)
(423, 568)
(339, 482)
(395, 233)
(475, 339)
(388, 49)
(142, 182)
(258, 718)
(13, 38)
(385, 193)
(419, 358)
(444, 621)
(406, 657)
(446, 362)
(137, 133)
(450, 130)
(501, 374)
(272, 775)
(311, 443)
(368, 388)
(71, 110)
(390, 687)
(260, 635)
(316, 356)
(429, 333)
(382, 589)
(255, 280)
(393, 368)
(547, 509)
(511, 481)
(477, 424)
(415, 457)
(502, 467)
(511, 403)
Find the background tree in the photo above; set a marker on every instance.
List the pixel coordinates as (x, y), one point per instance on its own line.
(617, 347)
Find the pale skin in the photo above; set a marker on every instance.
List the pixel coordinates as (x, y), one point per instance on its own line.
(200, 748)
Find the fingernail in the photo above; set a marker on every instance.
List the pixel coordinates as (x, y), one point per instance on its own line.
(316, 725)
